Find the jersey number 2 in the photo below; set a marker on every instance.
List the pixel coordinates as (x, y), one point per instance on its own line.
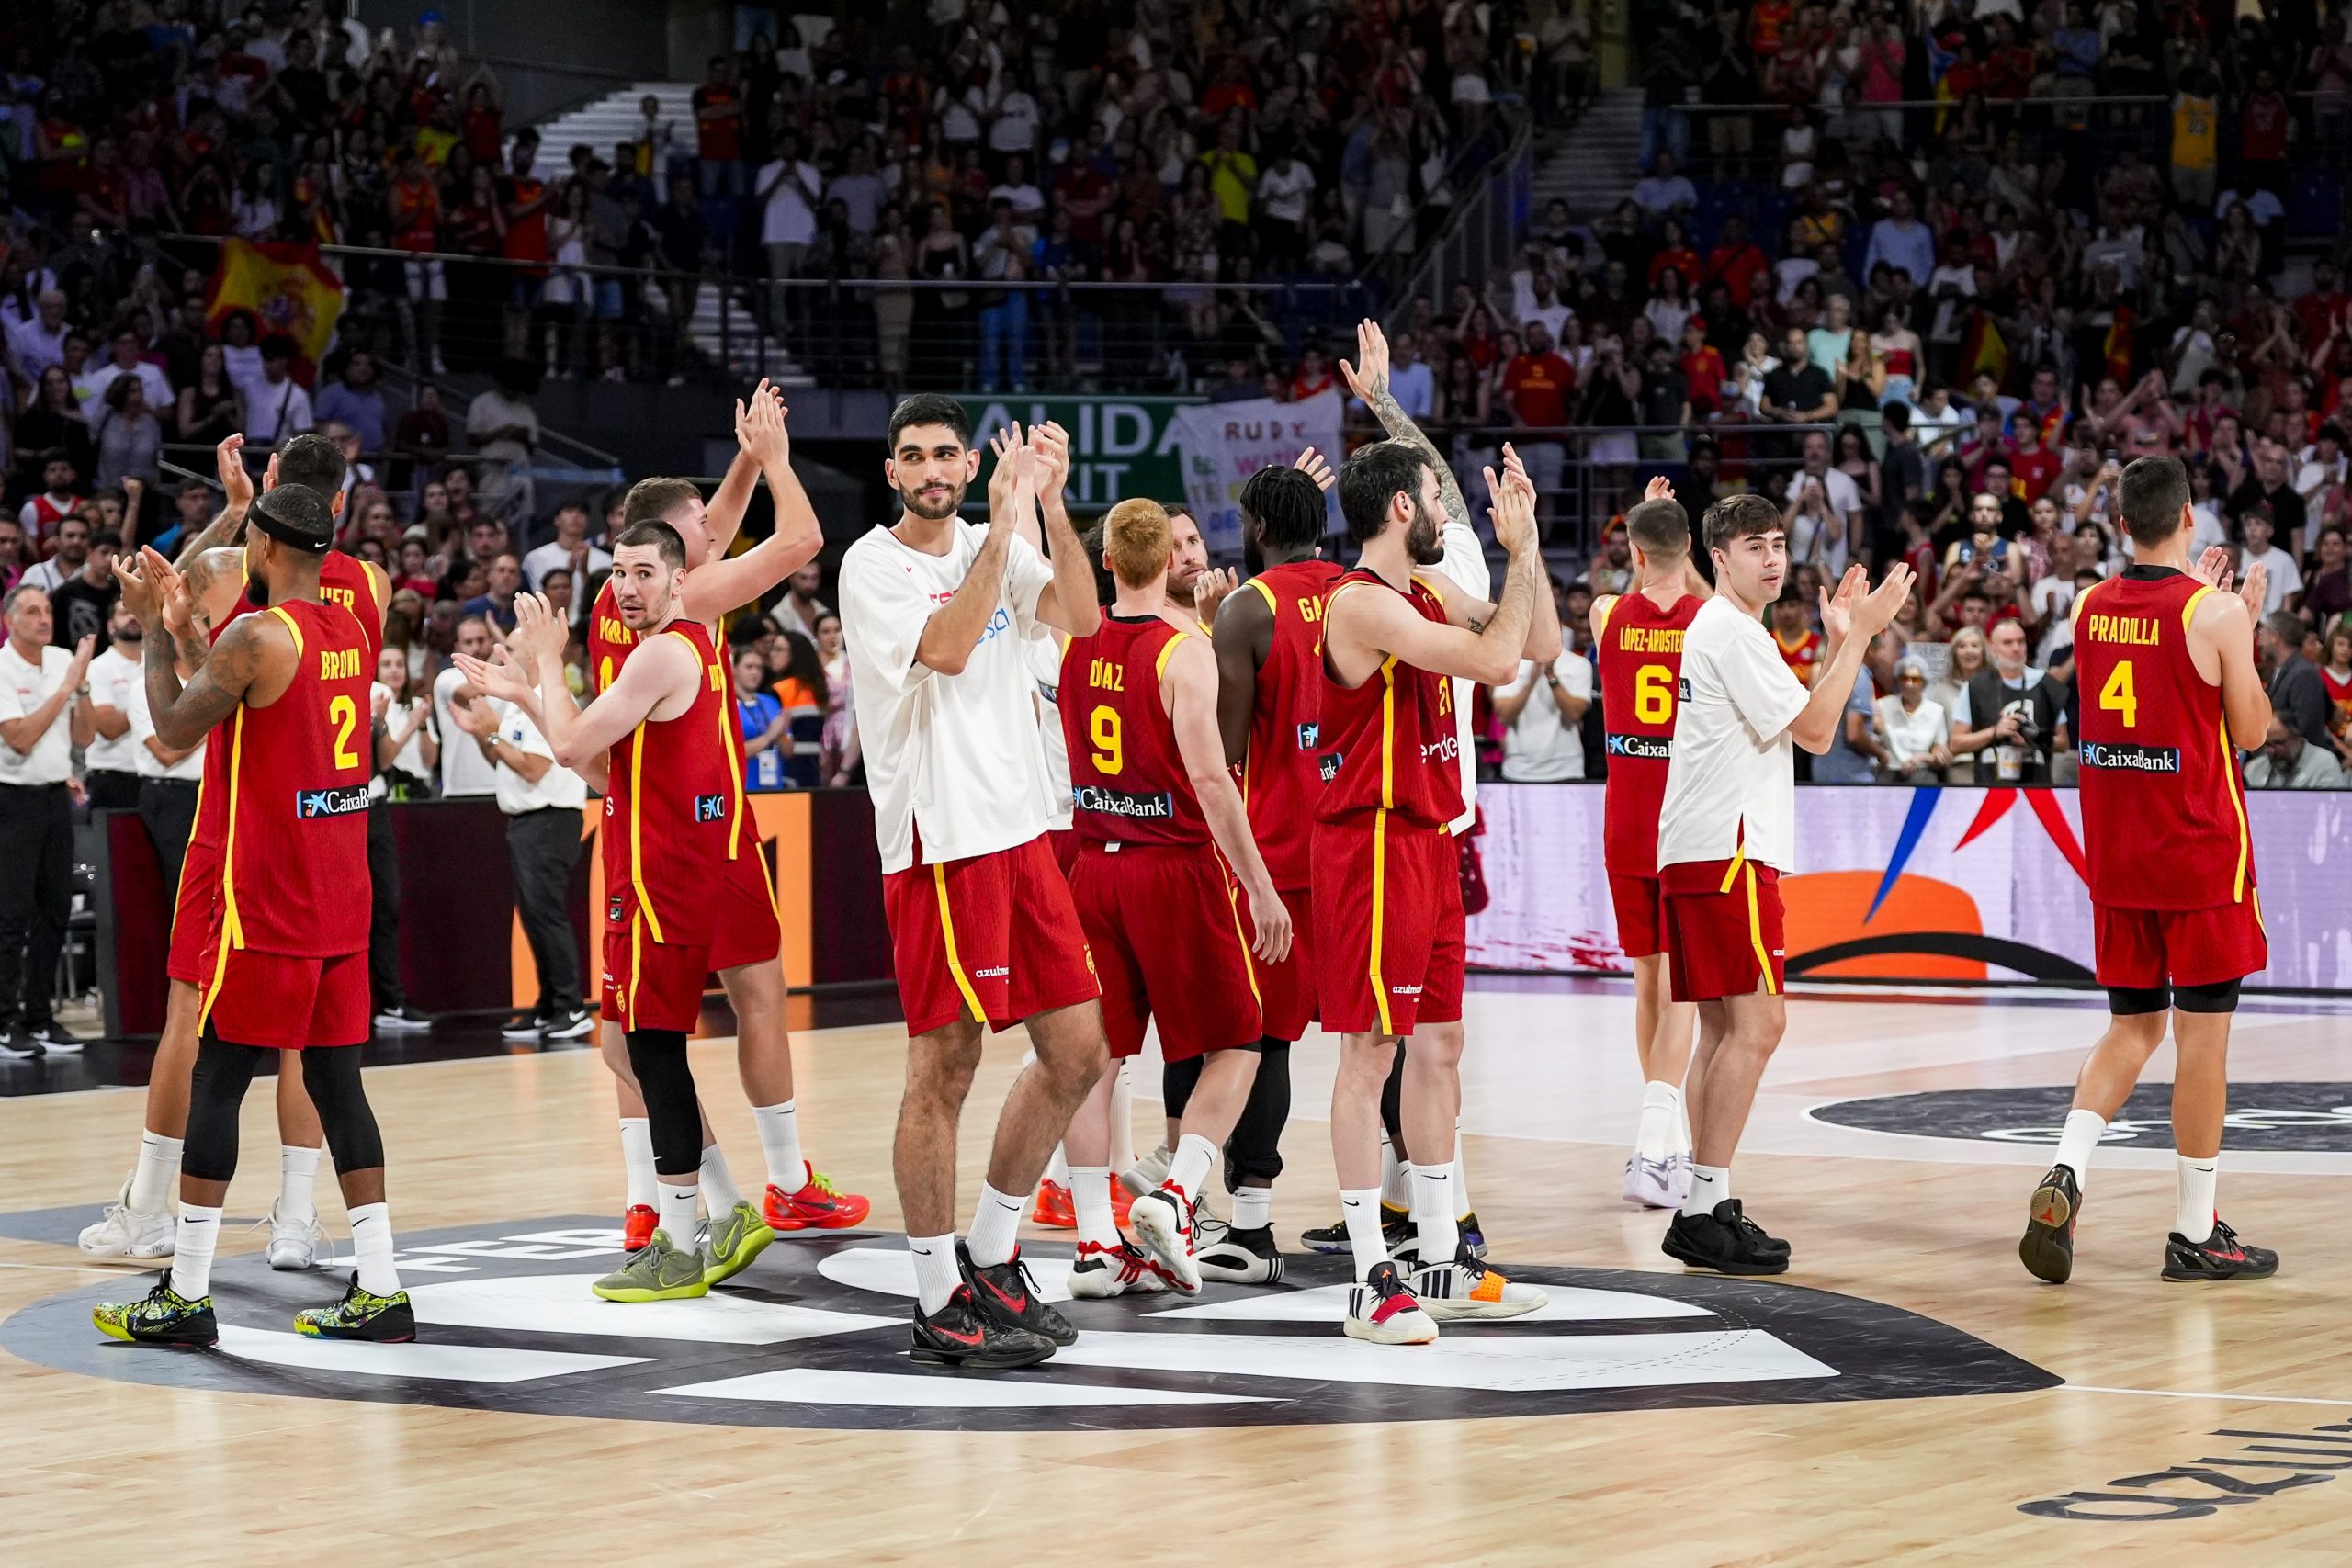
(343, 713)
(1654, 693)
(1103, 725)
(2117, 695)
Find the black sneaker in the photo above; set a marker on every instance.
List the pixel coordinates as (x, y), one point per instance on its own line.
(401, 1019)
(1396, 1230)
(961, 1335)
(14, 1042)
(523, 1026)
(1726, 1241)
(1007, 1295)
(2047, 1248)
(577, 1023)
(1243, 1258)
(1473, 1235)
(163, 1316)
(56, 1039)
(2220, 1256)
(361, 1315)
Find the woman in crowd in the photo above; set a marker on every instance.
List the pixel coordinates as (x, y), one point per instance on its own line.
(130, 437)
(761, 722)
(1967, 659)
(408, 754)
(838, 751)
(1912, 727)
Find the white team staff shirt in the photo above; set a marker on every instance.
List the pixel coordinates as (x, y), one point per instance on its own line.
(24, 686)
(1465, 566)
(112, 675)
(1732, 780)
(188, 769)
(960, 759)
(1046, 650)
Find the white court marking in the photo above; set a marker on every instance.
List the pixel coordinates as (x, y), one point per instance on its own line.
(1501, 1363)
(811, 1385)
(425, 1362)
(2193, 1393)
(891, 1270)
(561, 1303)
(1329, 1303)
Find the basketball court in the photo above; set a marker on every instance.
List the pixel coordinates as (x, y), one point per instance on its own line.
(1906, 1393)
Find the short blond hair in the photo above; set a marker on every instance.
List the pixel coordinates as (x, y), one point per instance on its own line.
(1137, 541)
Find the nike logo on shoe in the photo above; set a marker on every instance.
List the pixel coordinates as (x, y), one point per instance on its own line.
(1016, 1304)
(972, 1339)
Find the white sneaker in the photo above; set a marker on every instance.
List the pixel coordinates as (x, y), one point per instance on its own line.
(1162, 1222)
(1650, 1183)
(1101, 1273)
(1148, 1173)
(1467, 1287)
(1241, 1258)
(123, 1232)
(293, 1244)
(1682, 1163)
(1381, 1311)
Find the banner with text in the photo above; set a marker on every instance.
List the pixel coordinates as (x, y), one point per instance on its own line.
(1118, 446)
(1223, 444)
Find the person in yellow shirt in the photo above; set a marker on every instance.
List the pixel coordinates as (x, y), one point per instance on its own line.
(2196, 134)
(1233, 177)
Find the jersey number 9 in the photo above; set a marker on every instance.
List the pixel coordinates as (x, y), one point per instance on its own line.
(1102, 727)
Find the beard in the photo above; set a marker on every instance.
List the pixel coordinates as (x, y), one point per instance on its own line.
(1253, 554)
(1424, 541)
(931, 511)
(131, 632)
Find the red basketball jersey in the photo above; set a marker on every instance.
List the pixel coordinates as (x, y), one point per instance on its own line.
(295, 801)
(1128, 782)
(343, 581)
(2163, 814)
(610, 642)
(1288, 763)
(1638, 649)
(671, 804)
(1394, 734)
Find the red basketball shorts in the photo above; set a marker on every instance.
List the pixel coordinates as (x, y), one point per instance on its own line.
(200, 897)
(993, 938)
(1388, 928)
(1064, 842)
(1723, 928)
(745, 927)
(1165, 928)
(1641, 914)
(1286, 990)
(2144, 949)
(286, 1003)
(649, 984)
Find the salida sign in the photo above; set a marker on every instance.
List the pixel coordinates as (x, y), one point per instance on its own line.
(1118, 446)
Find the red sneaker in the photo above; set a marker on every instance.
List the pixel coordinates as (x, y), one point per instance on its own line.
(819, 1206)
(1053, 1208)
(1123, 1203)
(637, 1226)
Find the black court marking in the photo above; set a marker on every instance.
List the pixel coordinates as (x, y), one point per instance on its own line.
(1648, 1341)
(2276, 1118)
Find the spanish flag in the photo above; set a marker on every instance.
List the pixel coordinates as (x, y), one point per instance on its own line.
(286, 287)
(1983, 349)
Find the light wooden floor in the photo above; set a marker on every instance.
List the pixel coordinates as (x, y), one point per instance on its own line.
(103, 1471)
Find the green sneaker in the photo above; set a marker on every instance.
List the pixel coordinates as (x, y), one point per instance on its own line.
(163, 1316)
(734, 1242)
(658, 1273)
(382, 1320)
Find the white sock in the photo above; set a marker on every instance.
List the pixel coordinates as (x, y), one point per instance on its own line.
(1253, 1208)
(1396, 1175)
(1123, 1117)
(1189, 1167)
(152, 1179)
(1360, 1207)
(1433, 1206)
(996, 1228)
(198, 1236)
(2193, 1214)
(637, 1160)
(1461, 1175)
(371, 1243)
(677, 1204)
(719, 1189)
(936, 1276)
(298, 1182)
(780, 1137)
(2081, 1136)
(1661, 1122)
(1710, 1185)
(1057, 1168)
(1090, 1196)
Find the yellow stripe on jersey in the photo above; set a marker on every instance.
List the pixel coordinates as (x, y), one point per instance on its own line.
(1379, 907)
(1731, 874)
(1388, 733)
(2237, 805)
(232, 933)
(1272, 606)
(1248, 964)
(1756, 937)
(1599, 615)
(280, 612)
(637, 828)
(1159, 665)
(955, 960)
(2189, 610)
(2075, 611)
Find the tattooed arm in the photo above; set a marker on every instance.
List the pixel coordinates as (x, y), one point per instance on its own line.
(1368, 379)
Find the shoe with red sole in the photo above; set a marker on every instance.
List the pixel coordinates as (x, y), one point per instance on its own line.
(1053, 1208)
(819, 1206)
(637, 1226)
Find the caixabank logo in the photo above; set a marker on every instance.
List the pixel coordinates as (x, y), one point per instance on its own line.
(815, 1334)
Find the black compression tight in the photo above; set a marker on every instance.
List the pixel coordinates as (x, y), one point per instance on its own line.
(673, 1115)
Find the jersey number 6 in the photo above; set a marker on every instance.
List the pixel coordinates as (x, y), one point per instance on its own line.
(1654, 693)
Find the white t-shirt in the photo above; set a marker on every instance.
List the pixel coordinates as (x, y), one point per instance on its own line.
(2285, 578)
(1910, 733)
(1836, 485)
(1046, 650)
(151, 381)
(2051, 598)
(559, 786)
(1465, 566)
(24, 686)
(1414, 387)
(464, 770)
(1733, 768)
(1284, 190)
(189, 768)
(274, 413)
(957, 757)
(410, 758)
(113, 676)
(1540, 747)
(788, 220)
(553, 557)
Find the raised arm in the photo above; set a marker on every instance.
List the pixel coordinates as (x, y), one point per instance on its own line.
(724, 516)
(251, 649)
(1245, 635)
(1485, 649)
(1069, 601)
(1463, 608)
(228, 524)
(1190, 685)
(724, 581)
(2224, 625)
(1368, 379)
(1850, 621)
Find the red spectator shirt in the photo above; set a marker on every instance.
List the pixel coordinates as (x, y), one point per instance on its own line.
(1682, 260)
(721, 140)
(1803, 658)
(2262, 129)
(1538, 387)
(1736, 267)
(2034, 471)
(1766, 19)
(1704, 375)
(526, 238)
(416, 215)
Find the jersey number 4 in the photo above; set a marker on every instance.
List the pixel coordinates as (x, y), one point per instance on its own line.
(2118, 697)
(1102, 727)
(1654, 693)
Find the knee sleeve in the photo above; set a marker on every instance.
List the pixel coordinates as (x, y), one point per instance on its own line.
(2138, 1001)
(332, 1075)
(2221, 996)
(658, 1056)
(217, 1086)
(1177, 1081)
(1392, 1103)
(1255, 1148)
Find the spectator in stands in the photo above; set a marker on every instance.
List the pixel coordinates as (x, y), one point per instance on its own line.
(2020, 709)
(764, 729)
(1911, 726)
(2298, 694)
(1536, 386)
(464, 768)
(2289, 760)
(1541, 713)
(800, 610)
(356, 400)
(276, 409)
(1664, 191)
